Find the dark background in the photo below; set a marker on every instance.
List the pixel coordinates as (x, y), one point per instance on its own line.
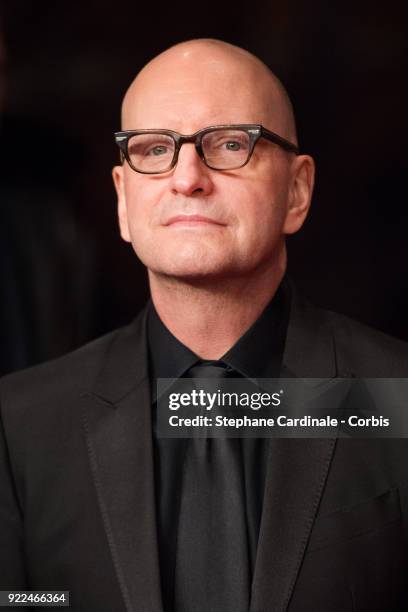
(67, 277)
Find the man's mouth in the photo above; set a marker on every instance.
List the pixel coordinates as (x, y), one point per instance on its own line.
(192, 220)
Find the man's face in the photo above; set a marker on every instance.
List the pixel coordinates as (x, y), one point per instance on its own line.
(242, 213)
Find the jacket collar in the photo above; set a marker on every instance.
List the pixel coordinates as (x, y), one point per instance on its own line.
(310, 350)
(125, 364)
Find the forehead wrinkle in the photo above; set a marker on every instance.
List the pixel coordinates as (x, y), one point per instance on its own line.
(189, 105)
(190, 118)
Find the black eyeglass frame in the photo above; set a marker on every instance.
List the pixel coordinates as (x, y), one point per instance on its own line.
(254, 131)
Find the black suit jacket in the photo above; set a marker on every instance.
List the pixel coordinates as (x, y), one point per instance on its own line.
(77, 507)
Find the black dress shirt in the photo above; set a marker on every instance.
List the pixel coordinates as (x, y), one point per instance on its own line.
(257, 354)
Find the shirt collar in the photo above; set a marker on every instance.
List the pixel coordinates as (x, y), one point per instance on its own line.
(258, 353)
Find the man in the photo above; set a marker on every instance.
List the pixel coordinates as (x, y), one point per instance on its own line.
(92, 500)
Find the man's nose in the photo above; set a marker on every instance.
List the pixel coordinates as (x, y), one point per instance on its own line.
(190, 175)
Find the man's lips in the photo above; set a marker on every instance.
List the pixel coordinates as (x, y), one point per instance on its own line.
(191, 219)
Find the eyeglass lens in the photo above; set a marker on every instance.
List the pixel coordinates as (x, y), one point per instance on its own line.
(225, 149)
(151, 152)
(222, 150)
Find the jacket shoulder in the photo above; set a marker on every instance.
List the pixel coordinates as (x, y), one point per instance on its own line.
(366, 351)
(75, 370)
(323, 343)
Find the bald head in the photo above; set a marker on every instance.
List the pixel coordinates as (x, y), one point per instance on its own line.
(206, 82)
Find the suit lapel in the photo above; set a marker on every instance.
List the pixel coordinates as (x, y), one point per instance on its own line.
(117, 423)
(297, 470)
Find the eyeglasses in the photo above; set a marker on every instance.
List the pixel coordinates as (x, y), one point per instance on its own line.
(220, 147)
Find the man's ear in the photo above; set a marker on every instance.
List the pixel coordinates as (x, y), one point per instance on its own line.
(300, 193)
(117, 175)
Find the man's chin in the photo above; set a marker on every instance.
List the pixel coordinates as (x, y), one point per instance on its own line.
(193, 274)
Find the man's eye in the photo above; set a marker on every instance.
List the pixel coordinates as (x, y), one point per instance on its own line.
(233, 145)
(157, 150)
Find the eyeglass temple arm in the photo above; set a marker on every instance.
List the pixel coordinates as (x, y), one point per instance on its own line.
(285, 144)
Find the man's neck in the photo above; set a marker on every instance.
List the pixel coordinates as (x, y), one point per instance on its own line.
(209, 317)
